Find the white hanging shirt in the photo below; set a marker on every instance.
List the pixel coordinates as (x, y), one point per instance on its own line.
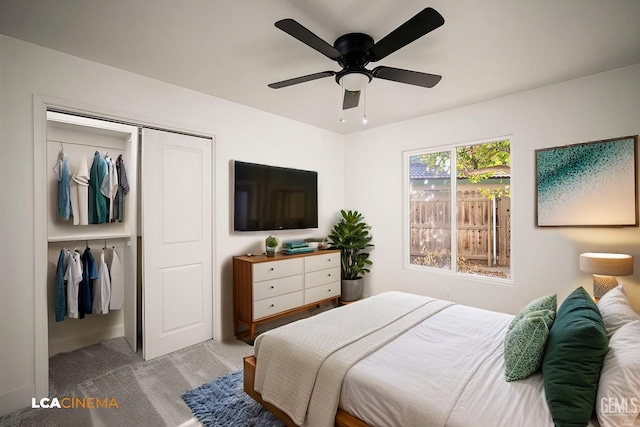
(117, 279)
(73, 276)
(80, 193)
(104, 185)
(102, 288)
(109, 184)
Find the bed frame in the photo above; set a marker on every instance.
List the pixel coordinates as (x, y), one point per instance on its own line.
(343, 419)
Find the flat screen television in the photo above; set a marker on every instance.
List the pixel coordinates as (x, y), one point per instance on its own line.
(273, 198)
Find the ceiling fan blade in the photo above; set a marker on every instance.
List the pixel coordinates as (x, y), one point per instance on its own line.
(406, 76)
(301, 79)
(296, 30)
(422, 23)
(351, 99)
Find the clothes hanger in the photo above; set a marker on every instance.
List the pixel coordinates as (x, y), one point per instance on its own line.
(61, 156)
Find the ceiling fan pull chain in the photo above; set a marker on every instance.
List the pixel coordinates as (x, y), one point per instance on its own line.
(364, 105)
(342, 119)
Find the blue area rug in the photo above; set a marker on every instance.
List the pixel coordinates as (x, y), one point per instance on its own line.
(223, 402)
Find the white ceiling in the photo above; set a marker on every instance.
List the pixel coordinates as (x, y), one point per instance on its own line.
(231, 49)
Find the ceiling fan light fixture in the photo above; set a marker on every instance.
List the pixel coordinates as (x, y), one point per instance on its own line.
(354, 81)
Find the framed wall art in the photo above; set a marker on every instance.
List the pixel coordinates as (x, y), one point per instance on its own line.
(592, 184)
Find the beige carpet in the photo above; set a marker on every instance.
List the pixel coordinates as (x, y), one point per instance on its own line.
(148, 393)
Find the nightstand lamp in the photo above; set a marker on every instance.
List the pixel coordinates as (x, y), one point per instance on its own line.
(605, 267)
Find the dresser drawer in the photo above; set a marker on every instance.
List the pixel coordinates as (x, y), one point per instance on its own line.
(321, 277)
(274, 287)
(270, 306)
(319, 293)
(320, 262)
(275, 269)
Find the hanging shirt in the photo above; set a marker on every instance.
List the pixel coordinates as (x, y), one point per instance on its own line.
(123, 189)
(73, 278)
(113, 182)
(61, 296)
(117, 279)
(109, 186)
(104, 184)
(85, 291)
(61, 170)
(102, 288)
(80, 193)
(97, 202)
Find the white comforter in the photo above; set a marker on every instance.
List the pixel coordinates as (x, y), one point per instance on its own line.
(459, 348)
(300, 367)
(446, 369)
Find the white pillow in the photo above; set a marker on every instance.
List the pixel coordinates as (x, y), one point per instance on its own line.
(618, 399)
(616, 310)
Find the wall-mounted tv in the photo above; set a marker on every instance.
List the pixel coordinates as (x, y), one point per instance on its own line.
(273, 198)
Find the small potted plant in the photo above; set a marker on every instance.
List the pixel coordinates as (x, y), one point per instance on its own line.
(351, 236)
(271, 243)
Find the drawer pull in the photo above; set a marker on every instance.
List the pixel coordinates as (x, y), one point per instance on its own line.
(329, 274)
(329, 290)
(271, 287)
(272, 305)
(328, 259)
(271, 269)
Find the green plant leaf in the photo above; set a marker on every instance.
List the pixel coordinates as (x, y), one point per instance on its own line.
(351, 235)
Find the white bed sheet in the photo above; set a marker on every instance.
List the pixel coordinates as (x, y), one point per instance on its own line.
(382, 388)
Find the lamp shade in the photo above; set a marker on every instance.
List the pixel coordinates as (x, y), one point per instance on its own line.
(606, 264)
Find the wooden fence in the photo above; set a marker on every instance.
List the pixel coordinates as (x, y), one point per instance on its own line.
(430, 226)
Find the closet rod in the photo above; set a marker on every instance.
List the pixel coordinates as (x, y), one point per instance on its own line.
(81, 237)
(87, 145)
(63, 110)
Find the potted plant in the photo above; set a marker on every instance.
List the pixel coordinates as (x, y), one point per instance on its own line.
(271, 243)
(351, 236)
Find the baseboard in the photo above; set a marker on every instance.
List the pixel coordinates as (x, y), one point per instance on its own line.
(17, 399)
(90, 338)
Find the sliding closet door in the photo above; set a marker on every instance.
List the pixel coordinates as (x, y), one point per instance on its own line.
(177, 288)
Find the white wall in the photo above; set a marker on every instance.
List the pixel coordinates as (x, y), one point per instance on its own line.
(240, 133)
(544, 260)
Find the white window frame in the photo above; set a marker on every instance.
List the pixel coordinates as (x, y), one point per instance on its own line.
(454, 229)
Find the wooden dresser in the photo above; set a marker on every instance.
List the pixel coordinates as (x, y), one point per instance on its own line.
(266, 288)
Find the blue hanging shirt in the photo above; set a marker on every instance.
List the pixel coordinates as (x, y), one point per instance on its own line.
(64, 191)
(61, 289)
(85, 291)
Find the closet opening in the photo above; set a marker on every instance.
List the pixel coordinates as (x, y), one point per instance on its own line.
(92, 202)
(175, 170)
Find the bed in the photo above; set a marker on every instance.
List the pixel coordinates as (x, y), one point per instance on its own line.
(395, 359)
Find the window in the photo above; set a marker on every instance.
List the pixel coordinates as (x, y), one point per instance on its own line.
(460, 208)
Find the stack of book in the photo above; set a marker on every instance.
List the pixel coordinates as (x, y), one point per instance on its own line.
(296, 247)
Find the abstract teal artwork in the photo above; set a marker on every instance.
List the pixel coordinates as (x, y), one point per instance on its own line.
(592, 184)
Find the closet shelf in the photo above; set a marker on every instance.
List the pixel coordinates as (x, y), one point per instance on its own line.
(73, 237)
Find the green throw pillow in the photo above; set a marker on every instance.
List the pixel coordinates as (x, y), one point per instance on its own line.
(573, 359)
(549, 302)
(525, 342)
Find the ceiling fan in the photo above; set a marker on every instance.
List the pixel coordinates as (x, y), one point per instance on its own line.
(354, 51)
